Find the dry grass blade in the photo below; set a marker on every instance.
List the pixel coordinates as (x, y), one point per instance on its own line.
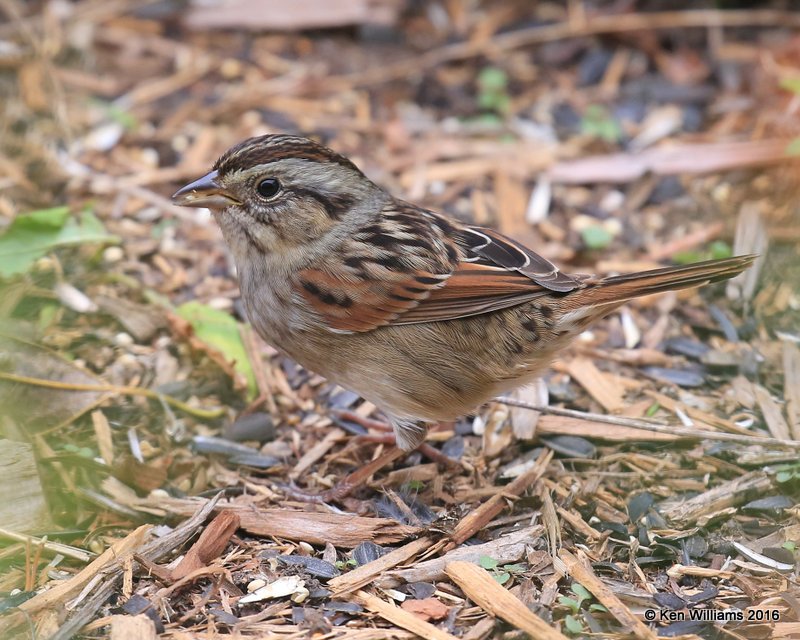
(583, 574)
(484, 590)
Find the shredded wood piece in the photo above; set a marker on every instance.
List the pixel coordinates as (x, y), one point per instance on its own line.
(720, 497)
(402, 618)
(480, 587)
(480, 517)
(132, 628)
(580, 571)
(364, 574)
(598, 384)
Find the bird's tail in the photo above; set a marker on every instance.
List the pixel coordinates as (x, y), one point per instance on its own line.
(600, 296)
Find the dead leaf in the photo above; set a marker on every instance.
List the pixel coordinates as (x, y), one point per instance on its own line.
(427, 609)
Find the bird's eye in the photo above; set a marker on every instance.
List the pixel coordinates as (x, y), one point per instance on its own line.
(268, 187)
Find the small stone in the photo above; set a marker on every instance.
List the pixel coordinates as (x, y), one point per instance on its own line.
(113, 254)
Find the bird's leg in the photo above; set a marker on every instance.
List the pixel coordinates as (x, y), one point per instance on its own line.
(432, 453)
(354, 480)
(349, 483)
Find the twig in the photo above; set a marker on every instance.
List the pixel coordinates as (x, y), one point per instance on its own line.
(202, 414)
(684, 432)
(46, 545)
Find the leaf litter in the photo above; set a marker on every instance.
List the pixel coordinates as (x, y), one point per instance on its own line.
(659, 470)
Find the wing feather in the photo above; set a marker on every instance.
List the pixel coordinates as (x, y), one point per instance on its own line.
(416, 266)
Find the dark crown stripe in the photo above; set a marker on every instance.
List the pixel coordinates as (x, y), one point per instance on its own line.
(270, 148)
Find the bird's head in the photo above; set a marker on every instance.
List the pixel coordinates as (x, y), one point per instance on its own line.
(276, 193)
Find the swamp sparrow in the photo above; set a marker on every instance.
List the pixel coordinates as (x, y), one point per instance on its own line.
(420, 314)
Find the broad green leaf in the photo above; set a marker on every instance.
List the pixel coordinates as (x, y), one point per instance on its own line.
(598, 607)
(487, 562)
(574, 605)
(720, 249)
(581, 591)
(220, 330)
(573, 625)
(492, 79)
(596, 237)
(31, 235)
(502, 578)
(687, 257)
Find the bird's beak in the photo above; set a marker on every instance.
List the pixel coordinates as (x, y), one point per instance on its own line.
(205, 192)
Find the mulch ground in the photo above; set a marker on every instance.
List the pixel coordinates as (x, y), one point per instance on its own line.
(153, 446)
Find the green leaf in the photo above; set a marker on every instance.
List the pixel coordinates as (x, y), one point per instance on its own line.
(791, 84)
(415, 485)
(580, 591)
(793, 148)
(573, 625)
(493, 90)
(32, 235)
(487, 562)
(720, 249)
(652, 409)
(599, 123)
(784, 476)
(574, 605)
(492, 79)
(220, 330)
(687, 257)
(598, 607)
(790, 545)
(502, 578)
(596, 237)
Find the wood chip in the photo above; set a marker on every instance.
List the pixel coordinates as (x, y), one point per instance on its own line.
(721, 497)
(363, 575)
(132, 628)
(772, 413)
(341, 530)
(791, 386)
(485, 591)
(505, 549)
(599, 385)
(23, 508)
(209, 545)
(480, 517)
(580, 570)
(669, 160)
(401, 618)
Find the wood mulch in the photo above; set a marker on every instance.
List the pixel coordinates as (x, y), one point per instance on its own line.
(150, 442)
